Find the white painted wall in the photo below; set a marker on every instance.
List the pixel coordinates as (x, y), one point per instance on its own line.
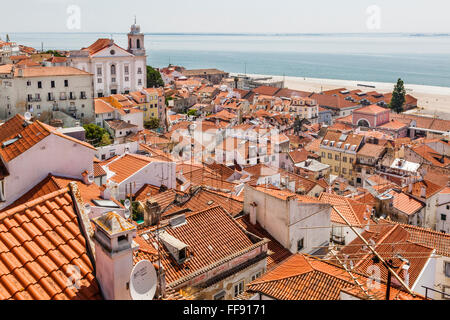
(53, 154)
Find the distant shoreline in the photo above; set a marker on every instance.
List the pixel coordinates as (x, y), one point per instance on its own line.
(434, 100)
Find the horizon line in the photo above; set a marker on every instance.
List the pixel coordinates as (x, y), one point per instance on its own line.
(241, 33)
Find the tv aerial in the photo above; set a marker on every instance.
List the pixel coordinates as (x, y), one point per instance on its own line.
(127, 205)
(143, 280)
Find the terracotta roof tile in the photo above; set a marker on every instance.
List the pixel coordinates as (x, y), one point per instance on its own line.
(209, 246)
(126, 166)
(39, 241)
(430, 189)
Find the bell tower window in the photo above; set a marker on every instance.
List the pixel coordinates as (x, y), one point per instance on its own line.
(138, 43)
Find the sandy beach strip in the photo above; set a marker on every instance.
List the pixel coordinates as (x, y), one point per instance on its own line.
(432, 101)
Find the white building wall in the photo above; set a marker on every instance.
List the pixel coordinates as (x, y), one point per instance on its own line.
(104, 153)
(426, 277)
(54, 155)
(443, 208)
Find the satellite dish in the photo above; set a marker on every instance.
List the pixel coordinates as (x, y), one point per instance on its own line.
(127, 214)
(87, 208)
(127, 204)
(143, 281)
(91, 178)
(27, 116)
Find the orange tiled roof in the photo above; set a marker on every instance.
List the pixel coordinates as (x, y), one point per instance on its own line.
(98, 45)
(393, 125)
(39, 241)
(102, 106)
(391, 242)
(145, 192)
(430, 187)
(98, 170)
(372, 109)
(11, 127)
(209, 246)
(127, 165)
(430, 155)
(53, 183)
(205, 199)
(371, 150)
(347, 208)
(405, 203)
(302, 277)
(430, 238)
(29, 136)
(51, 72)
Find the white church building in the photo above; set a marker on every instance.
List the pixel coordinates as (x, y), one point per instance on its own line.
(115, 70)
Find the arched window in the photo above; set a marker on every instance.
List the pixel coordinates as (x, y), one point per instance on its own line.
(113, 69)
(363, 123)
(138, 43)
(130, 46)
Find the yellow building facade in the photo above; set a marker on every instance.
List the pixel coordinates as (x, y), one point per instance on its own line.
(338, 150)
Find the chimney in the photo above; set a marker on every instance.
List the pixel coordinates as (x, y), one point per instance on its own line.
(113, 238)
(423, 191)
(151, 212)
(410, 186)
(253, 206)
(105, 192)
(405, 273)
(87, 177)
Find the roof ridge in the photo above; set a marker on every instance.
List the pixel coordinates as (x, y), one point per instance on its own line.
(423, 229)
(362, 259)
(280, 265)
(32, 203)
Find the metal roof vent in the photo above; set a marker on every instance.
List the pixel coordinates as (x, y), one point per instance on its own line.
(177, 249)
(178, 221)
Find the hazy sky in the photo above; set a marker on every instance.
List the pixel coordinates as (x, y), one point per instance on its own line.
(228, 16)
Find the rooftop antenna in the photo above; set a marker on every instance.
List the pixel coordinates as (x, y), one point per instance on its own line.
(134, 19)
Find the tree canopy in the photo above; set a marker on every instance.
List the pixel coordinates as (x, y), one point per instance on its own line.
(96, 135)
(154, 78)
(152, 123)
(398, 97)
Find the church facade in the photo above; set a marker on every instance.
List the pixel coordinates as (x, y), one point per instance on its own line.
(115, 70)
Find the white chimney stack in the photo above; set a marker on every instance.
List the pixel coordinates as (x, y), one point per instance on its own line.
(405, 270)
(410, 186)
(113, 238)
(423, 192)
(105, 192)
(253, 206)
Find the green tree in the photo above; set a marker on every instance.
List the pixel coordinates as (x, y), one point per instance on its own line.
(152, 123)
(398, 97)
(154, 78)
(192, 112)
(95, 134)
(54, 53)
(106, 140)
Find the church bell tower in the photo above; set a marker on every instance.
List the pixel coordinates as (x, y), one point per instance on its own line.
(136, 40)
